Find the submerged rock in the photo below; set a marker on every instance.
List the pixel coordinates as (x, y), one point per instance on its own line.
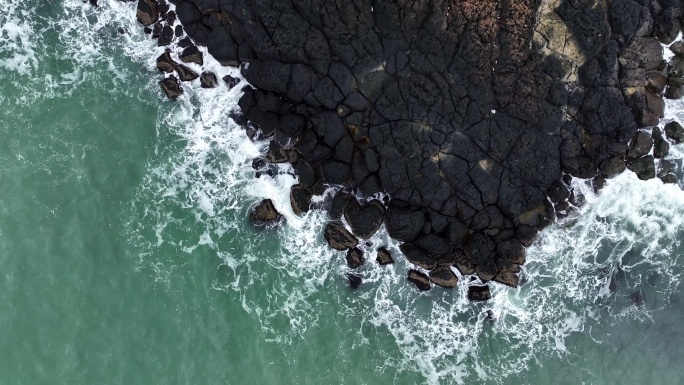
(354, 281)
(265, 214)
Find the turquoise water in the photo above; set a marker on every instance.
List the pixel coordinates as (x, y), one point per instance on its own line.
(126, 257)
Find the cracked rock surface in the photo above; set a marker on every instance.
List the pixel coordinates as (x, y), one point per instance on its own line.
(472, 116)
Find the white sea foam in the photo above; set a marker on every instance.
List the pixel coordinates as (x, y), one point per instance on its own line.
(203, 182)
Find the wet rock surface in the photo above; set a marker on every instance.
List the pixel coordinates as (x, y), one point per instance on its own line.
(471, 117)
(265, 214)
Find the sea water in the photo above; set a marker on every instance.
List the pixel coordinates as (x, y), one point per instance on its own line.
(126, 256)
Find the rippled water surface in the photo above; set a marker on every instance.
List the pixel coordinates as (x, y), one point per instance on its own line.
(126, 257)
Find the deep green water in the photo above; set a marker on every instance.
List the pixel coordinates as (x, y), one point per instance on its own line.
(126, 257)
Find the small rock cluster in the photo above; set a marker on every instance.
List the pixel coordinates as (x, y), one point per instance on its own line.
(470, 117)
(159, 22)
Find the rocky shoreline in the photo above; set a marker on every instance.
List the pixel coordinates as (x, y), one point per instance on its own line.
(459, 125)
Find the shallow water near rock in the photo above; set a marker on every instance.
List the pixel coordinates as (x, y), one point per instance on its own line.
(126, 255)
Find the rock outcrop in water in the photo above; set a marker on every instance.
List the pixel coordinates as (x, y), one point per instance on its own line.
(472, 116)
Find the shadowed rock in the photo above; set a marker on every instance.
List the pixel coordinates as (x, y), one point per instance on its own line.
(185, 73)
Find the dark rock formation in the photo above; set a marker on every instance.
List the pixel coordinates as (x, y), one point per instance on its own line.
(661, 147)
(640, 145)
(479, 293)
(300, 199)
(418, 256)
(338, 237)
(231, 81)
(675, 132)
(165, 63)
(147, 12)
(208, 80)
(644, 167)
(192, 54)
(265, 214)
(443, 276)
(355, 258)
(171, 87)
(384, 257)
(472, 116)
(419, 279)
(366, 219)
(185, 73)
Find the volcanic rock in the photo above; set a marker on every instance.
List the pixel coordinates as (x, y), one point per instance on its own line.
(208, 80)
(640, 145)
(165, 36)
(192, 54)
(384, 257)
(675, 132)
(265, 214)
(507, 277)
(661, 147)
(185, 73)
(419, 279)
(231, 81)
(338, 237)
(466, 114)
(300, 199)
(404, 224)
(165, 63)
(418, 256)
(355, 258)
(147, 12)
(443, 276)
(171, 87)
(479, 293)
(643, 167)
(366, 219)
